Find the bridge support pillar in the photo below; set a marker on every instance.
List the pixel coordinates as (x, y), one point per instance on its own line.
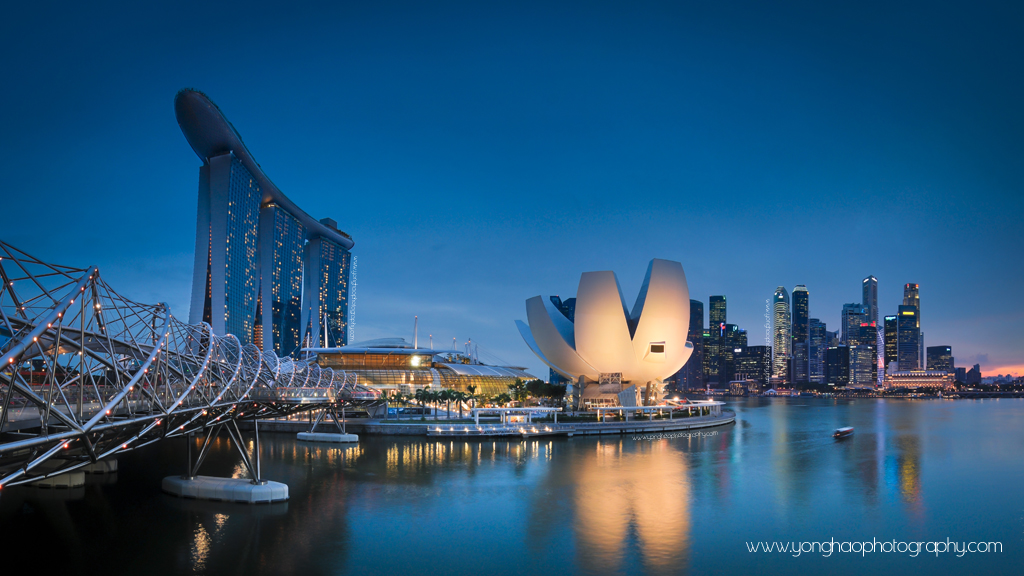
(251, 491)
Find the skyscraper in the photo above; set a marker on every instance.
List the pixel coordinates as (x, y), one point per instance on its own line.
(281, 320)
(754, 363)
(941, 358)
(264, 270)
(716, 311)
(710, 352)
(912, 297)
(853, 316)
(817, 344)
(837, 366)
(692, 374)
(801, 356)
(869, 290)
(325, 296)
(714, 356)
(863, 373)
(782, 333)
(891, 342)
(907, 338)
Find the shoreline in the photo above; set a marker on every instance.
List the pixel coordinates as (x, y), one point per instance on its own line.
(421, 428)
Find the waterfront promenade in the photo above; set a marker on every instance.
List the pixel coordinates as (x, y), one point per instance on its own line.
(442, 427)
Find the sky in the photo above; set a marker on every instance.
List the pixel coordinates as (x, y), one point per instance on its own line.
(481, 153)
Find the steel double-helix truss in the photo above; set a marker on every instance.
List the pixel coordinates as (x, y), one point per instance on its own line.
(86, 373)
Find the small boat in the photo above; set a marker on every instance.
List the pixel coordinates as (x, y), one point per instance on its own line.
(843, 432)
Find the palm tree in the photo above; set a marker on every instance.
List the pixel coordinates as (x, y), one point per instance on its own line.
(461, 398)
(422, 395)
(398, 399)
(434, 396)
(447, 395)
(471, 389)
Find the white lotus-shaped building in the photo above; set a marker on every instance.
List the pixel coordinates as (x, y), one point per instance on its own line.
(645, 346)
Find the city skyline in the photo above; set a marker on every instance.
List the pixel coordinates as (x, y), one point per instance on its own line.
(594, 139)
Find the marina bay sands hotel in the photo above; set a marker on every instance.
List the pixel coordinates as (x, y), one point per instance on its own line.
(265, 270)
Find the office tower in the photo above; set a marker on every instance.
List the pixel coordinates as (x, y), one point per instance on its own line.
(833, 338)
(800, 351)
(865, 335)
(715, 346)
(568, 308)
(863, 371)
(869, 298)
(800, 308)
(912, 297)
(940, 358)
(853, 316)
(891, 342)
(734, 341)
(691, 375)
(782, 332)
(837, 366)
(255, 274)
(907, 338)
(817, 344)
(710, 353)
(716, 311)
(754, 363)
(973, 376)
(961, 375)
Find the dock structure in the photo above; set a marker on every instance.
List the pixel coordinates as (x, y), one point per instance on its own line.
(499, 430)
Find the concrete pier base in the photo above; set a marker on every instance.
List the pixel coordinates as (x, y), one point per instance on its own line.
(326, 437)
(101, 467)
(225, 489)
(70, 480)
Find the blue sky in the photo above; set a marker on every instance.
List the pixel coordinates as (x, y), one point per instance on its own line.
(483, 153)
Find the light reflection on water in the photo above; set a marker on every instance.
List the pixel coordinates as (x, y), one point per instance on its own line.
(913, 470)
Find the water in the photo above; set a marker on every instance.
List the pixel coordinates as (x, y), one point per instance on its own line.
(913, 471)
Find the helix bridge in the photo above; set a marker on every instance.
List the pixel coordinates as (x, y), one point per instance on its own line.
(87, 374)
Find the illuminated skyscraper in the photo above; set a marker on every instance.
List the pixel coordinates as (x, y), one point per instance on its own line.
(264, 270)
(907, 338)
(853, 316)
(817, 344)
(891, 342)
(869, 289)
(691, 377)
(282, 260)
(801, 352)
(837, 366)
(863, 372)
(710, 350)
(912, 297)
(941, 358)
(325, 291)
(714, 345)
(782, 332)
(716, 311)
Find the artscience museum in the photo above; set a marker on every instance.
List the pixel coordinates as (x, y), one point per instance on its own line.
(614, 355)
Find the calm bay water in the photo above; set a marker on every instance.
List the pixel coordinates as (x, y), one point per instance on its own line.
(914, 471)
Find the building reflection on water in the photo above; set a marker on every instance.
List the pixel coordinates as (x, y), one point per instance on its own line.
(637, 493)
